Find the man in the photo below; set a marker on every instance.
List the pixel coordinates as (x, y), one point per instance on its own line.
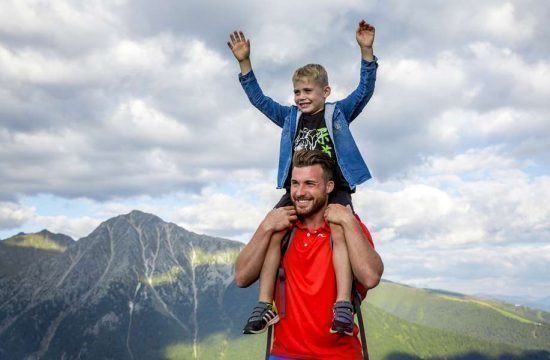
(310, 284)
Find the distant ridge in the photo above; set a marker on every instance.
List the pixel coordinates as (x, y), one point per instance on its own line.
(21, 250)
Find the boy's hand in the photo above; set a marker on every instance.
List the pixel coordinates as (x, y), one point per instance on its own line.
(365, 34)
(280, 219)
(338, 214)
(239, 45)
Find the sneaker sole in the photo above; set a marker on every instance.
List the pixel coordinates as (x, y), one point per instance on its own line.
(269, 323)
(343, 332)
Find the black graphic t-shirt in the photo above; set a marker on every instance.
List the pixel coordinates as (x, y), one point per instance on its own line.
(312, 134)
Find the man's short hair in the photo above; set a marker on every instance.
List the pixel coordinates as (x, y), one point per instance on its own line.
(312, 71)
(304, 158)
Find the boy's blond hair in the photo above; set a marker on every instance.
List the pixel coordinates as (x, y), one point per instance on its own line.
(314, 72)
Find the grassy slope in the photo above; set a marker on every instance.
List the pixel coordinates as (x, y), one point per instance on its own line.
(489, 320)
(409, 323)
(34, 241)
(389, 337)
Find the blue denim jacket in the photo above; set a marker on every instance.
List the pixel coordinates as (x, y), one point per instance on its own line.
(338, 116)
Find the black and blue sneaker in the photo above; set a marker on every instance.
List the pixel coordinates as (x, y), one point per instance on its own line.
(342, 320)
(263, 316)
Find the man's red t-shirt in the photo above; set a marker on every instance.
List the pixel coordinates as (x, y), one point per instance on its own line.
(310, 293)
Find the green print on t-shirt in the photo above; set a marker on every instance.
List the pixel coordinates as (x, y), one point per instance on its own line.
(311, 139)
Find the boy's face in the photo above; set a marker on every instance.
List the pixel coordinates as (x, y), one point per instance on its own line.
(309, 95)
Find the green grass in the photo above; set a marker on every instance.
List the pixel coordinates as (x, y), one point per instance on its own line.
(391, 336)
(34, 241)
(220, 347)
(492, 321)
(502, 311)
(388, 335)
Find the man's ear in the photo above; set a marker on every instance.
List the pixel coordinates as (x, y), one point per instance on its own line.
(326, 91)
(330, 186)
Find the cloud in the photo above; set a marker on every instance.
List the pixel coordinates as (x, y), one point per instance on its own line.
(13, 215)
(161, 100)
(74, 227)
(233, 215)
(471, 198)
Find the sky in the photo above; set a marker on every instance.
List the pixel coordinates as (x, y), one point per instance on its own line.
(112, 105)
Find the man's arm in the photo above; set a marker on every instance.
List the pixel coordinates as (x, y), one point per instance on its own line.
(251, 258)
(365, 262)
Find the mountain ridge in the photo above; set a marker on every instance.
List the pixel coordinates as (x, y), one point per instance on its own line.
(136, 263)
(138, 287)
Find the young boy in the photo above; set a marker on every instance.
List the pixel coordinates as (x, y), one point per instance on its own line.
(312, 123)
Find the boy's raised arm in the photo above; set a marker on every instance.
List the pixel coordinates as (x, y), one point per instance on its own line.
(365, 39)
(240, 46)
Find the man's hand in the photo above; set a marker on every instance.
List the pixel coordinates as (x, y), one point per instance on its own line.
(338, 214)
(280, 219)
(365, 35)
(239, 45)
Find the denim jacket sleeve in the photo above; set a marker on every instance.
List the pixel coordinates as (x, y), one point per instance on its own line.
(269, 107)
(352, 105)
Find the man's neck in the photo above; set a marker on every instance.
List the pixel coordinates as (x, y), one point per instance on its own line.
(315, 221)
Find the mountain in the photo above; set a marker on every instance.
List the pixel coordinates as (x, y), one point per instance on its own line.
(21, 250)
(141, 288)
(542, 303)
(437, 324)
(133, 286)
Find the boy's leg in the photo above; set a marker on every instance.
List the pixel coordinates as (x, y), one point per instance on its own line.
(263, 315)
(268, 275)
(270, 267)
(342, 321)
(340, 261)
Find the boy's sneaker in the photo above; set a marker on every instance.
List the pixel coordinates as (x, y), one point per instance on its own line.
(263, 316)
(342, 320)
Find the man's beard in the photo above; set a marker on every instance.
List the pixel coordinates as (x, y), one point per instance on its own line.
(314, 206)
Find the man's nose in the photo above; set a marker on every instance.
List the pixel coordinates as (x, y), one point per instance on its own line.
(299, 190)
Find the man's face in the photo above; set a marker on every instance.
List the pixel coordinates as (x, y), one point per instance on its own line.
(309, 190)
(309, 95)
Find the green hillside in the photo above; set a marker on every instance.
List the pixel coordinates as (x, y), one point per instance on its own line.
(409, 323)
(390, 337)
(35, 241)
(489, 320)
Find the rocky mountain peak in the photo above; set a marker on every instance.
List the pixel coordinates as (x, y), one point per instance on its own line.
(131, 274)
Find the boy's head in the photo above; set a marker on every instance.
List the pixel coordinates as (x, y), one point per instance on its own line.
(310, 88)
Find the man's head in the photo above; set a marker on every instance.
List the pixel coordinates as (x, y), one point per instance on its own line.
(312, 181)
(311, 88)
